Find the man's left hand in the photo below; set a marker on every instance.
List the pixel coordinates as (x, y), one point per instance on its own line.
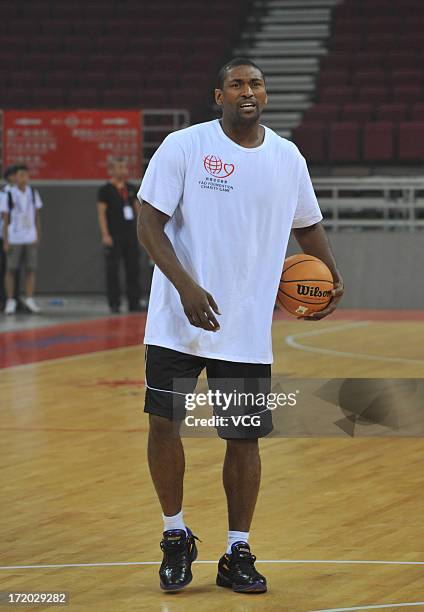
(337, 295)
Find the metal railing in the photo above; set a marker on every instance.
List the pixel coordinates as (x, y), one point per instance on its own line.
(157, 124)
(371, 202)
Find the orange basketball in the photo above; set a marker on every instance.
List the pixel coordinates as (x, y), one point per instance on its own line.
(305, 285)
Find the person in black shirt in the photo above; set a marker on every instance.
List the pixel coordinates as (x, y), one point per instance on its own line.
(117, 208)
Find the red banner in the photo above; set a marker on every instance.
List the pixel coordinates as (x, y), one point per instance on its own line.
(72, 144)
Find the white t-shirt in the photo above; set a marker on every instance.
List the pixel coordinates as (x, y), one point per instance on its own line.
(232, 209)
(22, 227)
(4, 205)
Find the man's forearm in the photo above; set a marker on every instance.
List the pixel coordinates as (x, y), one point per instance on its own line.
(160, 249)
(313, 241)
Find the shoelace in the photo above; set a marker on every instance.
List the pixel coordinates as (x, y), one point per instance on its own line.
(175, 552)
(245, 562)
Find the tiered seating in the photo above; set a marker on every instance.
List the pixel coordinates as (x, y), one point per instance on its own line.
(128, 53)
(370, 90)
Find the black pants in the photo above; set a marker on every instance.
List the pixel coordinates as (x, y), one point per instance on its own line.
(2, 274)
(126, 248)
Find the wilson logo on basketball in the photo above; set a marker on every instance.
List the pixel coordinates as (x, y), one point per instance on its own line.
(216, 167)
(312, 291)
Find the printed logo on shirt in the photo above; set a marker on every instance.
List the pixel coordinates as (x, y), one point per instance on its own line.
(215, 166)
(220, 171)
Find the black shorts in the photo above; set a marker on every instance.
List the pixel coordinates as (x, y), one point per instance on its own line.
(237, 391)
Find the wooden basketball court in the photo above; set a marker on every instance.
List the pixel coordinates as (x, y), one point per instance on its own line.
(338, 525)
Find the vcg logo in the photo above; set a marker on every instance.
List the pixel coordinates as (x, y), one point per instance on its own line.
(216, 167)
(312, 291)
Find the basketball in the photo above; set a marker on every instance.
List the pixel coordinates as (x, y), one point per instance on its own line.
(305, 286)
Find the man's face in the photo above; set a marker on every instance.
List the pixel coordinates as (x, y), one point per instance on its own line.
(243, 95)
(22, 178)
(11, 179)
(119, 170)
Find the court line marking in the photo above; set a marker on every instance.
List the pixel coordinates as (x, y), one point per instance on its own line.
(378, 607)
(59, 360)
(124, 563)
(291, 340)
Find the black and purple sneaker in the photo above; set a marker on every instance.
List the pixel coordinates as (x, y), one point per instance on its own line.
(179, 552)
(237, 571)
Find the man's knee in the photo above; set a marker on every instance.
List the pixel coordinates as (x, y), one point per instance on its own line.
(162, 427)
(236, 445)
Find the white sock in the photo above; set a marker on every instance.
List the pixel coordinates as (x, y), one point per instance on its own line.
(174, 522)
(236, 536)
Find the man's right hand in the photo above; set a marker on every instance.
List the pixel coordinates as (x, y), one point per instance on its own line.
(199, 307)
(107, 240)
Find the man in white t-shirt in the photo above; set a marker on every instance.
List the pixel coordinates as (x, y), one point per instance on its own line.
(20, 211)
(219, 200)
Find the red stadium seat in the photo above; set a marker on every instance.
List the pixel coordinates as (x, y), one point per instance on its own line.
(411, 41)
(369, 60)
(59, 27)
(118, 98)
(337, 94)
(333, 78)
(58, 79)
(370, 78)
(17, 98)
(113, 44)
(83, 98)
(90, 79)
(408, 93)
(325, 113)
(347, 43)
(343, 142)
(348, 25)
(168, 62)
(396, 111)
(161, 80)
(128, 79)
(411, 142)
(151, 98)
(378, 142)
(417, 112)
(161, 10)
(359, 113)
(88, 27)
(13, 44)
(310, 138)
(99, 62)
(373, 94)
(383, 25)
(37, 62)
(68, 62)
(336, 61)
(29, 80)
(381, 42)
(401, 60)
(122, 24)
(49, 98)
(407, 77)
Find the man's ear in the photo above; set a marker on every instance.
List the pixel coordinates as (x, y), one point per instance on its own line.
(218, 97)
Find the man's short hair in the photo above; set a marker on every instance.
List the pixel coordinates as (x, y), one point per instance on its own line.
(22, 167)
(9, 171)
(237, 61)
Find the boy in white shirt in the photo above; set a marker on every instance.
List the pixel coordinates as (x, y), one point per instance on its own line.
(20, 209)
(9, 177)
